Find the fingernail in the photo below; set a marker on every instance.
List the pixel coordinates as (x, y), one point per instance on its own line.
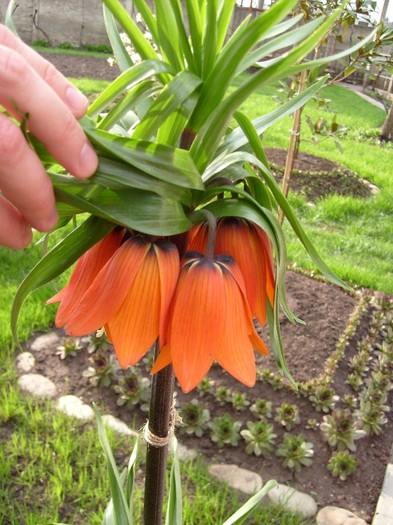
(76, 100)
(88, 161)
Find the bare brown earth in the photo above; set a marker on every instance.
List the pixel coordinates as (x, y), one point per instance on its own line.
(327, 310)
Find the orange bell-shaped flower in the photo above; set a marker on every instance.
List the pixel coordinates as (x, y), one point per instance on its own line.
(249, 245)
(129, 294)
(210, 319)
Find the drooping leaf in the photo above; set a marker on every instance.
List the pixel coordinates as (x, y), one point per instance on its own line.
(138, 210)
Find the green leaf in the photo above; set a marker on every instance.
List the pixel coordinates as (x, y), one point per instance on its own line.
(168, 33)
(169, 100)
(225, 12)
(174, 510)
(137, 38)
(248, 508)
(148, 17)
(183, 36)
(237, 139)
(128, 79)
(121, 510)
(123, 59)
(195, 22)
(209, 45)
(163, 162)
(57, 260)
(139, 210)
(8, 20)
(231, 56)
(115, 174)
(139, 93)
(288, 39)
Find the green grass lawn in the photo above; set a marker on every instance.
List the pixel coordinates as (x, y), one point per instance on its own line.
(52, 466)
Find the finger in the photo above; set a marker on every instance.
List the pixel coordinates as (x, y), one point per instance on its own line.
(14, 232)
(23, 180)
(73, 98)
(49, 119)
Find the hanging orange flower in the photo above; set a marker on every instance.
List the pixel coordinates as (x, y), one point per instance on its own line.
(127, 290)
(210, 320)
(249, 245)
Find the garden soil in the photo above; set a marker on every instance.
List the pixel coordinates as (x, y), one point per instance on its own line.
(326, 311)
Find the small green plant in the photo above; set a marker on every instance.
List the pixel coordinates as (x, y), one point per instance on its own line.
(97, 341)
(350, 401)
(239, 401)
(194, 417)
(259, 438)
(225, 431)
(287, 415)
(341, 465)
(359, 363)
(355, 381)
(133, 389)
(341, 430)
(205, 386)
(297, 452)
(262, 408)
(222, 395)
(69, 347)
(103, 370)
(372, 417)
(324, 399)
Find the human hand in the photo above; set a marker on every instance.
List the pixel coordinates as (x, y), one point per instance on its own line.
(31, 85)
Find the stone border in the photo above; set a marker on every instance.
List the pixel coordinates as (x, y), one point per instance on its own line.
(384, 509)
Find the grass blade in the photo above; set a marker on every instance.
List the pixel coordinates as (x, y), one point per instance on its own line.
(248, 508)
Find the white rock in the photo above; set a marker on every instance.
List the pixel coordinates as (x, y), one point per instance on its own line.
(237, 478)
(186, 454)
(337, 516)
(117, 425)
(25, 362)
(45, 341)
(293, 500)
(73, 406)
(37, 385)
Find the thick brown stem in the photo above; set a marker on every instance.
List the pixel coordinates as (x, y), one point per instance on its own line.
(156, 457)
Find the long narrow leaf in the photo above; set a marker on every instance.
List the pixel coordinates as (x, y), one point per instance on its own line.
(168, 34)
(225, 12)
(231, 56)
(139, 93)
(174, 510)
(195, 22)
(123, 59)
(57, 260)
(128, 79)
(209, 45)
(139, 210)
(237, 139)
(248, 508)
(169, 100)
(137, 38)
(162, 162)
(120, 507)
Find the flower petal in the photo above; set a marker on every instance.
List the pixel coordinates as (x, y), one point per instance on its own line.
(134, 328)
(86, 269)
(109, 289)
(235, 353)
(169, 268)
(197, 323)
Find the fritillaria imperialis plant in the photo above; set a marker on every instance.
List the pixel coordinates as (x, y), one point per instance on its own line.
(177, 243)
